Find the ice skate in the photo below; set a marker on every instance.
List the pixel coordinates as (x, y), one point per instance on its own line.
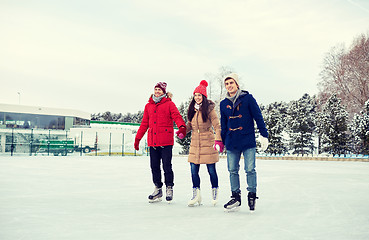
(233, 204)
(196, 197)
(156, 195)
(169, 196)
(251, 200)
(214, 195)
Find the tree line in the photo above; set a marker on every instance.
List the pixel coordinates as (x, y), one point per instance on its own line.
(335, 121)
(305, 126)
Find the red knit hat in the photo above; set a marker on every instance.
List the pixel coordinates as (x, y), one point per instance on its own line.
(201, 88)
(162, 85)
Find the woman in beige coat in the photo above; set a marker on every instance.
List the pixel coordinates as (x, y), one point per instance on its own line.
(203, 121)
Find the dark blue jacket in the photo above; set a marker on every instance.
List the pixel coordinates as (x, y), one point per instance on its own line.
(237, 122)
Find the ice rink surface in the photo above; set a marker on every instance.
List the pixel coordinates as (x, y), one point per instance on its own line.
(87, 198)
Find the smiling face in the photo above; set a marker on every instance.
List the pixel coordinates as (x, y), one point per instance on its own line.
(198, 98)
(158, 92)
(231, 86)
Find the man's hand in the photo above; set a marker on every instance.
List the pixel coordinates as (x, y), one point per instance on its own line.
(264, 143)
(181, 133)
(137, 144)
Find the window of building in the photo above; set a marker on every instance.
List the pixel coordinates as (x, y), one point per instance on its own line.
(81, 122)
(2, 118)
(36, 121)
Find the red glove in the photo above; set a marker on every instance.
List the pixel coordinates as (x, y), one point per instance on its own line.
(137, 144)
(218, 146)
(181, 133)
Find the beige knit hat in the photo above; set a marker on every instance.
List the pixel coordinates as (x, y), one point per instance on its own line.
(234, 76)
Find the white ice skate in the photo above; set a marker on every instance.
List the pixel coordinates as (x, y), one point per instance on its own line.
(214, 195)
(196, 197)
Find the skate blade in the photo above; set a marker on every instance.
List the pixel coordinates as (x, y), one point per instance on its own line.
(195, 204)
(235, 209)
(155, 200)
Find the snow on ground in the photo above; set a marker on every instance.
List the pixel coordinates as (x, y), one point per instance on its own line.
(106, 198)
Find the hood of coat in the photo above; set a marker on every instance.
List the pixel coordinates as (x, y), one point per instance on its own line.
(211, 106)
(167, 98)
(243, 92)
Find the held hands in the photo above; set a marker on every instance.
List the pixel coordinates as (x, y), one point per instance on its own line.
(218, 146)
(264, 143)
(137, 144)
(181, 133)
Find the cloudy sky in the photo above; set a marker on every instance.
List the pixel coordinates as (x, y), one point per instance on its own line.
(107, 55)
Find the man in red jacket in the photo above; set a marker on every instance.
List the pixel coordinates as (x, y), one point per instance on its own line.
(158, 117)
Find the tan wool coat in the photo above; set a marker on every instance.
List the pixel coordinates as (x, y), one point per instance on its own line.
(203, 136)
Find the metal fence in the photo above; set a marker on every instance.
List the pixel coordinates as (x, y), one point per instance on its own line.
(65, 143)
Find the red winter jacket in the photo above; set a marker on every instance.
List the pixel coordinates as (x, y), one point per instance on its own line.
(158, 118)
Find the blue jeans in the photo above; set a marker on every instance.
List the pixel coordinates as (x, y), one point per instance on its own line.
(196, 178)
(233, 160)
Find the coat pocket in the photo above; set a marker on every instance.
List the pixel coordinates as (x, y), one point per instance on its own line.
(166, 136)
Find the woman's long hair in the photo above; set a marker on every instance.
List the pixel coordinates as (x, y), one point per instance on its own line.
(204, 109)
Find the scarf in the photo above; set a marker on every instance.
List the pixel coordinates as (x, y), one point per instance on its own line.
(197, 106)
(235, 97)
(158, 99)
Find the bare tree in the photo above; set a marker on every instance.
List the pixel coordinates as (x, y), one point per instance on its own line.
(357, 64)
(216, 86)
(346, 74)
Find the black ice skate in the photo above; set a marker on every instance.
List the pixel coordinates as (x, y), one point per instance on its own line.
(251, 200)
(169, 197)
(234, 203)
(156, 195)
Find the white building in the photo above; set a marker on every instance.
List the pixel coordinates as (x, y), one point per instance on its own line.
(21, 125)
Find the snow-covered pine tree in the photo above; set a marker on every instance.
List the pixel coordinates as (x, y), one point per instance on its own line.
(107, 116)
(360, 131)
(334, 127)
(96, 117)
(319, 129)
(137, 118)
(301, 124)
(274, 116)
(186, 141)
(116, 117)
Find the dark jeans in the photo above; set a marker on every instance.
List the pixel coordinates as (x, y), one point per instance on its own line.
(164, 154)
(196, 178)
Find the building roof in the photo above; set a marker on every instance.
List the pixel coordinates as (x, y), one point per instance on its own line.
(13, 108)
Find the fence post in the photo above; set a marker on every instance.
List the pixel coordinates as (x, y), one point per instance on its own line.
(147, 148)
(81, 143)
(110, 145)
(66, 141)
(12, 145)
(48, 145)
(96, 145)
(30, 143)
(122, 144)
